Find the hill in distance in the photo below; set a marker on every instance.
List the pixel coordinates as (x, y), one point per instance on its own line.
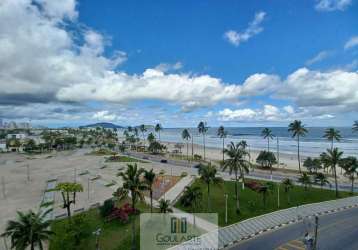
(102, 125)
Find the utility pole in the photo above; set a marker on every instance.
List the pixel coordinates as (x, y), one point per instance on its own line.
(315, 233)
(3, 187)
(226, 196)
(192, 146)
(28, 172)
(278, 153)
(278, 195)
(88, 188)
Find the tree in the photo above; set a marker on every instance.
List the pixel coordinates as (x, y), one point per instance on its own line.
(332, 134)
(164, 206)
(332, 158)
(237, 164)
(133, 184)
(287, 185)
(266, 159)
(143, 129)
(355, 126)
(67, 190)
(207, 174)
(151, 138)
(202, 128)
(30, 145)
(305, 180)
(265, 190)
(312, 164)
(29, 230)
(321, 179)
(222, 134)
(155, 147)
(191, 197)
(186, 136)
(157, 129)
(298, 130)
(350, 166)
(267, 134)
(149, 177)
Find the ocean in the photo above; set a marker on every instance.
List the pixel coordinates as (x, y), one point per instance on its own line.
(311, 145)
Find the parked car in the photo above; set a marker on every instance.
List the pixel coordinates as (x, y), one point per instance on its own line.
(164, 161)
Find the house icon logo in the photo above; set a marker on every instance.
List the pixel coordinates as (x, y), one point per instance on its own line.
(178, 225)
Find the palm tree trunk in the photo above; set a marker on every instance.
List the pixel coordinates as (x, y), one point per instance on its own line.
(237, 194)
(133, 222)
(159, 134)
(335, 180)
(187, 150)
(268, 144)
(204, 144)
(298, 153)
(192, 147)
(209, 205)
(151, 200)
(223, 149)
(352, 188)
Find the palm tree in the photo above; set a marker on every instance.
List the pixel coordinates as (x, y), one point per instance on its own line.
(186, 136)
(332, 158)
(222, 134)
(298, 130)
(133, 184)
(305, 180)
(67, 190)
(288, 185)
(157, 129)
(164, 206)
(150, 138)
(332, 134)
(29, 230)
(350, 166)
(202, 128)
(355, 126)
(149, 177)
(207, 174)
(267, 134)
(237, 164)
(143, 129)
(321, 179)
(191, 197)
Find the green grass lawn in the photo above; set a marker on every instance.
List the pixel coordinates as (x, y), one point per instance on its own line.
(115, 235)
(251, 202)
(124, 158)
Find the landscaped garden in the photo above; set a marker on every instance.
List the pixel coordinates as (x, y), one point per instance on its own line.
(252, 202)
(123, 158)
(78, 233)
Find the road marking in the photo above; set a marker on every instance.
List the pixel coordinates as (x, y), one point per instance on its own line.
(292, 245)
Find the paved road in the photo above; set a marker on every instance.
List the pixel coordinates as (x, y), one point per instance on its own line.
(336, 231)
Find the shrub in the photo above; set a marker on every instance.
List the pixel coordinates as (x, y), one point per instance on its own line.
(107, 208)
(184, 174)
(197, 157)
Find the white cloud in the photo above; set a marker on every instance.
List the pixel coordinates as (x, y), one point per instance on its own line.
(59, 9)
(266, 113)
(105, 115)
(260, 84)
(332, 90)
(253, 29)
(289, 109)
(319, 57)
(165, 67)
(352, 42)
(332, 5)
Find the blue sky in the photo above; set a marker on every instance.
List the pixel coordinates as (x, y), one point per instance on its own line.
(237, 63)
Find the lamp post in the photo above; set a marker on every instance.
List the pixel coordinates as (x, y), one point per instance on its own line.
(97, 233)
(226, 196)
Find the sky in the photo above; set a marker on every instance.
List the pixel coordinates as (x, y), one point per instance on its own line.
(178, 62)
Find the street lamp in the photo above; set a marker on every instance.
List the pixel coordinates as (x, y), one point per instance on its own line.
(226, 196)
(97, 233)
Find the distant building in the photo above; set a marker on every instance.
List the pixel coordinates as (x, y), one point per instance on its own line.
(16, 136)
(3, 147)
(12, 125)
(1, 123)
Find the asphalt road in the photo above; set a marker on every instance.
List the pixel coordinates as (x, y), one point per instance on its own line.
(338, 231)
